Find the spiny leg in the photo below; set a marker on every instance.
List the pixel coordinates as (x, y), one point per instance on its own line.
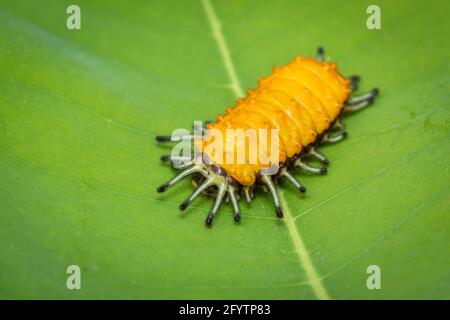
(289, 177)
(267, 180)
(164, 158)
(234, 202)
(338, 125)
(219, 197)
(185, 136)
(357, 103)
(363, 97)
(320, 54)
(354, 82)
(306, 167)
(358, 106)
(208, 182)
(248, 194)
(353, 104)
(316, 154)
(178, 162)
(180, 176)
(175, 138)
(333, 137)
(328, 138)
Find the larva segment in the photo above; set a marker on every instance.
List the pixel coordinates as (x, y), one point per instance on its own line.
(293, 110)
(304, 101)
(292, 107)
(329, 76)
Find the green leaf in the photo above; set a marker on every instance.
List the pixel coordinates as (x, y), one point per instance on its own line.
(79, 110)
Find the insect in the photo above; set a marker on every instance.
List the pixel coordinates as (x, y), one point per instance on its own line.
(305, 101)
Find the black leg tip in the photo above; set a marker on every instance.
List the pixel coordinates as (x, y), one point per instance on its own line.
(355, 78)
(209, 220)
(326, 161)
(323, 170)
(237, 217)
(344, 134)
(375, 91)
(279, 212)
(163, 138)
(183, 206)
(165, 158)
(302, 189)
(161, 188)
(320, 50)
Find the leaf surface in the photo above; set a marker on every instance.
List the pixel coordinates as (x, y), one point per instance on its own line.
(79, 166)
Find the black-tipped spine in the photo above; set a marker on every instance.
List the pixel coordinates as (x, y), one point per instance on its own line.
(279, 212)
(209, 220)
(162, 188)
(163, 138)
(184, 205)
(165, 158)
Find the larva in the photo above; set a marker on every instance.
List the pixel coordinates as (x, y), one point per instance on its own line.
(304, 102)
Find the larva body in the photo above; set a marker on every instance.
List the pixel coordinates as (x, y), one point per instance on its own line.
(303, 101)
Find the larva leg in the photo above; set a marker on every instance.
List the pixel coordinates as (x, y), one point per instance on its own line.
(339, 125)
(212, 178)
(219, 197)
(248, 194)
(180, 176)
(289, 177)
(358, 106)
(336, 134)
(234, 203)
(354, 81)
(175, 138)
(316, 154)
(178, 163)
(360, 102)
(363, 97)
(357, 103)
(183, 137)
(165, 158)
(320, 55)
(304, 166)
(328, 138)
(209, 182)
(267, 180)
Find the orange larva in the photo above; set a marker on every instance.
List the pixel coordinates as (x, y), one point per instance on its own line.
(304, 102)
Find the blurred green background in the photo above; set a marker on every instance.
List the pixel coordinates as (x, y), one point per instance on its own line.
(79, 110)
